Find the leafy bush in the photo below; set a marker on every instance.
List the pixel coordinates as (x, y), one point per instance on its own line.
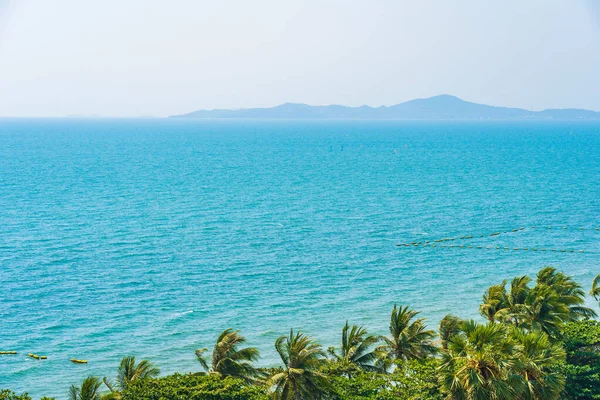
(411, 380)
(581, 340)
(10, 395)
(193, 387)
(417, 379)
(362, 386)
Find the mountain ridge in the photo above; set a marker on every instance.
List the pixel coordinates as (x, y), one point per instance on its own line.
(442, 107)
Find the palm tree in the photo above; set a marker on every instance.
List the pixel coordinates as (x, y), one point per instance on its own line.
(300, 379)
(228, 359)
(502, 306)
(596, 288)
(449, 327)
(87, 391)
(570, 293)
(494, 300)
(409, 339)
(475, 366)
(534, 361)
(544, 311)
(554, 300)
(356, 348)
(129, 372)
(515, 301)
(496, 361)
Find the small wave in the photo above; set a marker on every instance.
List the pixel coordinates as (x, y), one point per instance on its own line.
(178, 315)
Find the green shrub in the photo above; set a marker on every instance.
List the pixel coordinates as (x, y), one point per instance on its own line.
(10, 395)
(417, 379)
(193, 387)
(581, 340)
(362, 386)
(412, 380)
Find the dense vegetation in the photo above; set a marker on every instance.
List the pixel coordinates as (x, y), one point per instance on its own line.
(538, 341)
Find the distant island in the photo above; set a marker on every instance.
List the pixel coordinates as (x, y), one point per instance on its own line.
(443, 107)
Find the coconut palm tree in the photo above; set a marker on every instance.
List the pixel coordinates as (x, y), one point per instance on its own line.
(409, 338)
(129, 372)
(356, 348)
(534, 360)
(300, 379)
(227, 359)
(477, 362)
(88, 390)
(554, 300)
(515, 301)
(544, 311)
(502, 306)
(596, 287)
(449, 327)
(570, 293)
(494, 300)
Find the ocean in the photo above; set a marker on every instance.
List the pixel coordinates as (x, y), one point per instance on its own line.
(150, 236)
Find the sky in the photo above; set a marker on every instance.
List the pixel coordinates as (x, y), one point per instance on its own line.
(158, 58)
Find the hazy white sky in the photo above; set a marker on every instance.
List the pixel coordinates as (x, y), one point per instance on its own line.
(158, 57)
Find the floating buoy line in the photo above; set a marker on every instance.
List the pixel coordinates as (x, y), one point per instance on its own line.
(443, 241)
(465, 237)
(497, 247)
(38, 357)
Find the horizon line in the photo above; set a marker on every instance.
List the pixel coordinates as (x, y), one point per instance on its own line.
(93, 115)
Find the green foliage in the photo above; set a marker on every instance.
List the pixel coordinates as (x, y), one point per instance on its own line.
(534, 363)
(227, 359)
(193, 387)
(596, 288)
(356, 349)
(417, 379)
(301, 377)
(570, 294)
(111, 396)
(497, 361)
(581, 341)
(554, 300)
(409, 339)
(475, 364)
(449, 327)
(362, 385)
(10, 395)
(89, 389)
(411, 380)
(128, 372)
(339, 367)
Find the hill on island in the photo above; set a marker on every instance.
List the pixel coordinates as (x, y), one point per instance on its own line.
(438, 107)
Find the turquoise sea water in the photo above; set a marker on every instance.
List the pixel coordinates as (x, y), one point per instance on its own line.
(149, 237)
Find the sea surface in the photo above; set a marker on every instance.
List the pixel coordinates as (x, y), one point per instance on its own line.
(150, 236)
